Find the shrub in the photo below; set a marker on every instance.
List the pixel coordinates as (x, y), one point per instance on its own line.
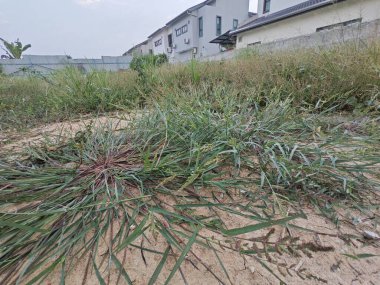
(144, 62)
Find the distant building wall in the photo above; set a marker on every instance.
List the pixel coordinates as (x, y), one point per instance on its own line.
(366, 32)
(360, 34)
(308, 23)
(48, 64)
(228, 11)
(159, 42)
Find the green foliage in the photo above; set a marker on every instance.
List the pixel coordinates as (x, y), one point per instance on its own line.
(29, 101)
(143, 63)
(332, 80)
(162, 177)
(144, 66)
(14, 50)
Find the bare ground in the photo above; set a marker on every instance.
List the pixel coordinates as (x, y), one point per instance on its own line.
(332, 266)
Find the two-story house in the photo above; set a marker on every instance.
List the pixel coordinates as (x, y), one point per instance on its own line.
(195, 28)
(140, 49)
(279, 19)
(189, 34)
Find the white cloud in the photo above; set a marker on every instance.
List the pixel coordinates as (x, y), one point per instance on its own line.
(87, 2)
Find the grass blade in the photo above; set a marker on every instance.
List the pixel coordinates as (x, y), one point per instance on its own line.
(158, 270)
(182, 256)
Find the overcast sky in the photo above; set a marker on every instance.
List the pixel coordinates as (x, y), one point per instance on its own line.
(86, 28)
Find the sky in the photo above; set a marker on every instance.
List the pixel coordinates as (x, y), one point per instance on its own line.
(86, 28)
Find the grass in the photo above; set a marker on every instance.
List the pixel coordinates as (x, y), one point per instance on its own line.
(345, 77)
(32, 101)
(214, 139)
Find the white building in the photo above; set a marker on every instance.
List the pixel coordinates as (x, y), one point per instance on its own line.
(280, 19)
(141, 49)
(189, 34)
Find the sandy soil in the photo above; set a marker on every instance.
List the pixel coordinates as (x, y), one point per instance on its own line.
(331, 267)
(13, 142)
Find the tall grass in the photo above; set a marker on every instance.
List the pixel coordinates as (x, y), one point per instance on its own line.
(27, 102)
(345, 77)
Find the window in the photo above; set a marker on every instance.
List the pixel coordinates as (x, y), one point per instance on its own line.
(240, 39)
(200, 27)
(218, 25)
(235, 24)
(342, 24)
(181, 30)
(158, 43)
(170, 40)
(266, 6)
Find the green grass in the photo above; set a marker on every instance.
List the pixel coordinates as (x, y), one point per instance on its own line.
(32, 101)
(345, 77)
(239, 130)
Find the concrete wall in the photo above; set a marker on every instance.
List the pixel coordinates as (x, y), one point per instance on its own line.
(308, 23)
(48, 64)
(366, 32)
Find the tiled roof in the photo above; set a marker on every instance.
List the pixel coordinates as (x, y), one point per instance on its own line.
(191, 9)
(180, 16)
(285, 13)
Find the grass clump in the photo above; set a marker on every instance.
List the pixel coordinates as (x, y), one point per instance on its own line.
(171, 175)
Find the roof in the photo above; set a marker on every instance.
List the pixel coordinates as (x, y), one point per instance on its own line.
(292, 11)
(188, 11)
(134, 47)
(225, 39)
(156, 32)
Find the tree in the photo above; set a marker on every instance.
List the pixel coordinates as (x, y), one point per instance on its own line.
(14, 50)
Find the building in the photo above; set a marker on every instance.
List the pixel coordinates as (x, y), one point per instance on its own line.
(188, 35)
(279, 19)
(141, 49)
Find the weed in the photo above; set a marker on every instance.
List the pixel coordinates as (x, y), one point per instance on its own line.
(332, 79)
(252, 138)
(154, 176)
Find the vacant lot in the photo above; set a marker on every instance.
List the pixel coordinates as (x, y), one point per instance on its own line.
(261, 170)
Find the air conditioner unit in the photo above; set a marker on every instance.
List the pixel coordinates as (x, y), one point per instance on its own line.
(186, 41)
(169, 50)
